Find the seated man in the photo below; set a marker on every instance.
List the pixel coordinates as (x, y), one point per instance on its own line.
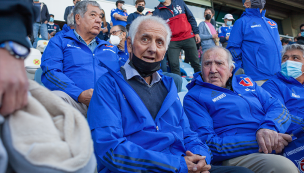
(70, 62)
(118, 37)
(238, 119)
(136, 119)
(287, 86)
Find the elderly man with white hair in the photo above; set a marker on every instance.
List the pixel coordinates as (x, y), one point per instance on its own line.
(288, 85)
(240, 122)
(135, 115)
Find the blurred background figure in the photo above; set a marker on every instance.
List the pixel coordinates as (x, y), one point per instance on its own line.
(207, 31)
(118, 15)
(224, 31)
(105, 28)
(40, 25)
(140, 7)
(68, 10)
(52, 27)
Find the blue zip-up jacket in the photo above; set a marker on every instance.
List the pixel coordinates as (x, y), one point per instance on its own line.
(115, 21)
(255, 45)
(228, 120)
(127, 139)
(123, 55)
(291, 93)
(70, 66)
(180, 8)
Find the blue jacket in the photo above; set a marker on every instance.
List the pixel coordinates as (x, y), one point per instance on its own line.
(127, 139)
(132, 17)
(228, 120)
(224, 31)
(179, 8)
(118, 22)
(291, 93)
(255, 45)
(123, 55)
(70, 66)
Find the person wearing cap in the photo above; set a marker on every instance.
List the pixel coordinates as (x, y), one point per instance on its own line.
(140, 6)
(53, 28)
(68, 10)
(118, 15)
(255, 43)
(224, 31)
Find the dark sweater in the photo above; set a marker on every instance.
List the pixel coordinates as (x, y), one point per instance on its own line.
(152, 96)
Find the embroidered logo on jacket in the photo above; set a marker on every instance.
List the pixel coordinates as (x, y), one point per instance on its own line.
(272, 23)
(246, 82)
(301, 164)
(73, 45)
(219, 97)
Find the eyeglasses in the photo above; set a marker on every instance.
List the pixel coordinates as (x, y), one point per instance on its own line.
(114, 32)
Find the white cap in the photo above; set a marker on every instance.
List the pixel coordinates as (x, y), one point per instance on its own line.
(229, 17)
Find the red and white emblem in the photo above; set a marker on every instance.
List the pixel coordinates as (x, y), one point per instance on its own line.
(301, 165)
(272, 23)
(246, 82)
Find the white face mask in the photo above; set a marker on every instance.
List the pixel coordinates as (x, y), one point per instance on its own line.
(115, 40)
(123, 7)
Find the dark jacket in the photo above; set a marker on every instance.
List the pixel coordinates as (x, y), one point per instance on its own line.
(16, 20)
(104, 36)
(44, 12)
(68, 9)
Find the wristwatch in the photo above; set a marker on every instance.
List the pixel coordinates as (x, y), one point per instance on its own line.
(15, 49)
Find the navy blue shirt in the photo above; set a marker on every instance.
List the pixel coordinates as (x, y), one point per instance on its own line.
(132, 17)
(38, 5)
(53, 27)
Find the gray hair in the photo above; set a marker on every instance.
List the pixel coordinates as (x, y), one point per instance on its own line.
(82, 7)
(292, 47)
(70, 19)
(138, 21)
(229, 56)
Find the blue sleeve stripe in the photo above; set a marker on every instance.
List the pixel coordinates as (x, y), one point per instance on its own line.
(136, 165)
(122, 167)
(235, 151)
(47, 68)
(54, 83)
(50, 78)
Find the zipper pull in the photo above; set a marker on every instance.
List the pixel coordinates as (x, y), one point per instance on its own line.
(157, 128)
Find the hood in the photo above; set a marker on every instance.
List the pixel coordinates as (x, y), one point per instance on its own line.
(66, 28)
(254, 12)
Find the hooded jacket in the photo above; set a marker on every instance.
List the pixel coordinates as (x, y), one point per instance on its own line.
(255, 45)
(70, 66)
(291, 93)
(127, 139)
(228, 120)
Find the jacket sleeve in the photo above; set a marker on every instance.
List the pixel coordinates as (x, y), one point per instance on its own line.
(201, 33)
(47, 14)
(52, 66)
(112, 149)
(235, 43)
(222, 148)
(277, 116)
(191, 19)
(16, 20)
(192, 142)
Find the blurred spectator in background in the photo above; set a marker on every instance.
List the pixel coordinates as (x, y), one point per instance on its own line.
(70, 24)
(53, 28)
(295, 39)
(224, 31)
(40, 25)
(105, 27)
(140, 6)
(285, 41)
(185, 33)
(255, 43)
(118, 16)
(68, 9)
(300, 39)
(212, 21)
(118, 37)
(149, 13)
(207, 31)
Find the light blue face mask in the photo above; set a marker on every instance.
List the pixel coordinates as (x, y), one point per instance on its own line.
(302, 34)
(51, 19)
(291, 69)
(161, 1)
(229, 23)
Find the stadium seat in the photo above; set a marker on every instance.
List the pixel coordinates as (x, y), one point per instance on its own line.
(181, 96)
(185, 83)
(41, 45)
(32, 63)
(38, 74)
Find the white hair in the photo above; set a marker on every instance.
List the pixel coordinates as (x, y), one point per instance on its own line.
(229, 56)
(82, 7)
(138, 21)
(292, 47)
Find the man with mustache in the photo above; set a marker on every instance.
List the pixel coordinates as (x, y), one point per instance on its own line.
(241, 122)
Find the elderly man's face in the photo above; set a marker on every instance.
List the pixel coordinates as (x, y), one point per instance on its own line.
(215, 69)
(149, 42)
(90, 23)
(294, 55)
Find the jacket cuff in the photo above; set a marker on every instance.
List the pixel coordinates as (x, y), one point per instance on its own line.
(183, 165)
(265, 126)
(198, 150)
(76, 94)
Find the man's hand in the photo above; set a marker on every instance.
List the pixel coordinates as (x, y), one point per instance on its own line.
(196, 163)
(85, 96)
(197, 38)
(267, 139)
(227, 38)
(46, 22)
(215, 36)
(284, 139)
(13, 83)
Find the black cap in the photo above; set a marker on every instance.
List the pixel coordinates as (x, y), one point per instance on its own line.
(52, 15)
(119, 1)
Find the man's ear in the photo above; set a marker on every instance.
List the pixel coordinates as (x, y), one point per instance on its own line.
(231, 70)
(129, 45)
(77, 19)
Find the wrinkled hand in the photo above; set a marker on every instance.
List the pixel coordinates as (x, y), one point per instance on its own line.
(196, 163)
(85, 96)
(197, 38)
(267, 139)
(215, 36)
(284, 139)
(13, 83)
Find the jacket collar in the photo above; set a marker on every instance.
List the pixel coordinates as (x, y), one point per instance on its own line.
(254, 12)
(70, 34)
(66, 28)
(289, 80)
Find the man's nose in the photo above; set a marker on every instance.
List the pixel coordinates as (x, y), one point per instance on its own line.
(213, 68)
(152, 48)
